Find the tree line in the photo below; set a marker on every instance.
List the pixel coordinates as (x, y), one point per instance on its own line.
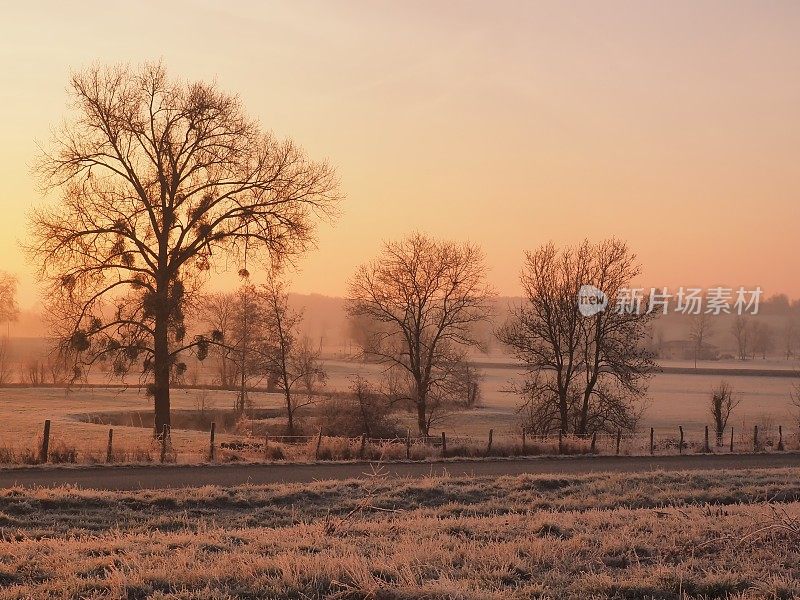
(156, 183)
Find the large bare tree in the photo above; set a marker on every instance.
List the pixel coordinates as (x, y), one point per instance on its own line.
(427, 295)
(584, 373)
(159, 181)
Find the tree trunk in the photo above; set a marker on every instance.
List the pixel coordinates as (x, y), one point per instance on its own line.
(422, 422)
(161, 372)
(289, 413)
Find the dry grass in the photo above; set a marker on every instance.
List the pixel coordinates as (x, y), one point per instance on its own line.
(657, 535)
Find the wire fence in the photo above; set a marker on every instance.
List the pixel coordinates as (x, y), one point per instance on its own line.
(167, 448)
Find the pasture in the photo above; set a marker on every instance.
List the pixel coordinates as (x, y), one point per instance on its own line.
(657, 535)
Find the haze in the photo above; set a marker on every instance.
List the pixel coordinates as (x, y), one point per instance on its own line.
(673, 126)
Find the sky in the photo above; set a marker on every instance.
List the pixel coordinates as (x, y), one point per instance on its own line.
(672, 125)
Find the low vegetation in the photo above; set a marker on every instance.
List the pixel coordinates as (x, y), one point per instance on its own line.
(657, 535)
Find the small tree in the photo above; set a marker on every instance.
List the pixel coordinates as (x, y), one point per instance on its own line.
(8, 298)
(428, 296)
(292, 361)
(722, 405)
(218, 313)
(742, 332)
(699, 331)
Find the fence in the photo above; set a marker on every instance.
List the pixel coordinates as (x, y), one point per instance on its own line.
(521, 443)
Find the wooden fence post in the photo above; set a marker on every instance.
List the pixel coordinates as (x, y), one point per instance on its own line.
(489, 446)
(164, 436)
(408, 444)
(266, 446)
(593, 449)
(731, 439)
(780, 438)
(110, 448)
(319, 442)
(44, 451)
(707, 448)
(680, 444)
(652, 445)
(755, 438)
(560, 441)
(524, 448)
(212, 450)
(619, 438)
(363, 445)
(444, 445)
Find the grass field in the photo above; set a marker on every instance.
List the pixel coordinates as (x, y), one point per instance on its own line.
(673, 399)
(681, 535)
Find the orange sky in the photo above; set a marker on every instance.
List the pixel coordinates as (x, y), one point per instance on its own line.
(674, 125)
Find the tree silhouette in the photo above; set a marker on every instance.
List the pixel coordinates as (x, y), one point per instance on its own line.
(427, 296)
(159, 181)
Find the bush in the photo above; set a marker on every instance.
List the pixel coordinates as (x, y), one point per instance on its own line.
(345, 416)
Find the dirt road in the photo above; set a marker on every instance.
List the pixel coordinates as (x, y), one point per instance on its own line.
(175, 476)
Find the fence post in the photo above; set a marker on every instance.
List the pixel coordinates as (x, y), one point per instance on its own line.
(110, 448)
(363, 445)
(266, 446)
(44, 451)
(408, 444)
(212, 451)
(444, 445)
(680, 444)
(731, 439)
(593, 449)
(560, 441)
(780, 438)
(652, 445)
(619, 438)
(489, 446)
(164, 436)
(755, 438)
(319, 442)
(707, 448)
(524, 449)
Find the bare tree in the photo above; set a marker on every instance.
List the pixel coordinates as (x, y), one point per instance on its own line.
(791, 337)
(218, 313)
(584, 373)
(763, 339)
(293, 361)
(6, 370)
(722, 405)
(159, 181)
(742, 332)
(9, 310)
(428, 295)
(700, 330)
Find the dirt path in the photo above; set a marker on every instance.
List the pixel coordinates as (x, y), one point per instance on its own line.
(176, 476)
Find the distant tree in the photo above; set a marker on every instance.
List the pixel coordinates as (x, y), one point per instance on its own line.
(700, 330)
(742, 330)
(584, 373)
(427, 295)
(160, 180)
(791, 337)
(763, 339)
(722, 405)
(218, 313)
(9, 310)
(292, 361)
(6, 369)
